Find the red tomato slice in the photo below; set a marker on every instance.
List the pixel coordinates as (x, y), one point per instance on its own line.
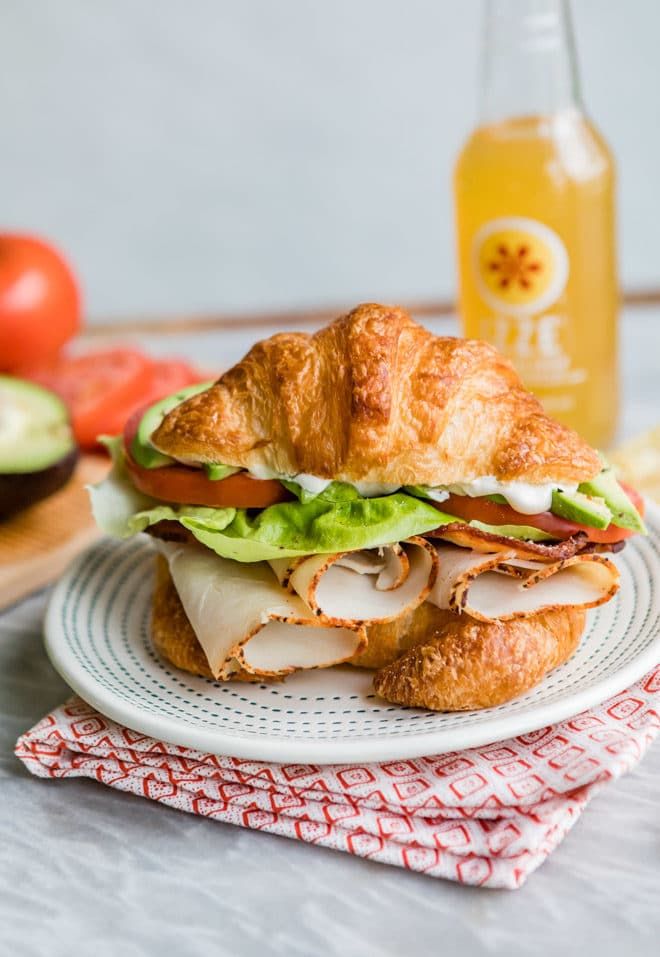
(188, 486)
(493, 513)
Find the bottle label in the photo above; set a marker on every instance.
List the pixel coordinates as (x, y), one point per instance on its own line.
(521, 268)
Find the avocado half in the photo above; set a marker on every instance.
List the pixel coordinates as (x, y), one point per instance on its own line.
(37, 450)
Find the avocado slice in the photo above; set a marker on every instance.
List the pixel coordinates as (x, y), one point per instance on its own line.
(606, 487)
(218, 472)
(144, 453)
(581, 507)
(34, 427)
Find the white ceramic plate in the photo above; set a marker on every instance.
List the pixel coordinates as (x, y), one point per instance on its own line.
(97, 636)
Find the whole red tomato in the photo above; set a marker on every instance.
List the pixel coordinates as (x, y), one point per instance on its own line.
(39, 301)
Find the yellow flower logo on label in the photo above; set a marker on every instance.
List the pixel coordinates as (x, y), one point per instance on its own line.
(520, 264)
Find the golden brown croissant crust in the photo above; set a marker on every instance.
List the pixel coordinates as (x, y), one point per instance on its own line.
(454, 663)
(376, 397)
(428, 658)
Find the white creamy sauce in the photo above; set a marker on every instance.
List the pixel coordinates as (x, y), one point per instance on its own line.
(263, 472)
(436, 494)
(312, 483)
(374, 489)
(524, 497)
(315, 485)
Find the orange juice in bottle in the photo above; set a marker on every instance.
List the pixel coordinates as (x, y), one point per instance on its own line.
(534, 197)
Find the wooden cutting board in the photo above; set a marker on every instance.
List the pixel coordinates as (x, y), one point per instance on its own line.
(37, 544)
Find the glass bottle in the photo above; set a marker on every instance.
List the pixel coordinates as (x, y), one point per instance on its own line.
(535, 222)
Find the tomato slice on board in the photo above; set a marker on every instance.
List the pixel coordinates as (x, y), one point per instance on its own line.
(170, 375)
(188, 486)
(494, 513)
(95, 386)
(103, 388)
(166, 376)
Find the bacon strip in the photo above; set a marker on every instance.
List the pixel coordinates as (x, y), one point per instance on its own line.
(467, 536)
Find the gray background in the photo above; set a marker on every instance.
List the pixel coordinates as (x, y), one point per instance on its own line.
(266, 153)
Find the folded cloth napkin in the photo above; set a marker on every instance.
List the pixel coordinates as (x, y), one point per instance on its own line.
(486, 816)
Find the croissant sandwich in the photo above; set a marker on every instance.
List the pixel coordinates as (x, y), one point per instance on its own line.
(376, 495)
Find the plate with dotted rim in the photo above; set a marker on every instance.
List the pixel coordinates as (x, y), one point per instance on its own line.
(97, 637)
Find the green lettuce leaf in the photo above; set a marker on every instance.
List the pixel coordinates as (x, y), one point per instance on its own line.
(290, 529)
(115, 500)
(335, 492)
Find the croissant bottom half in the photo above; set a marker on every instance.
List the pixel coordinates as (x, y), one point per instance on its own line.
(448, 662)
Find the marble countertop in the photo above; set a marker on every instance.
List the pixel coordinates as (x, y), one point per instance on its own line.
(91, 870)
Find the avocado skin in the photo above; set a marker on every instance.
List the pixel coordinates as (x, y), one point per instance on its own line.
(624, 513)
(578, 507)
(19, 490)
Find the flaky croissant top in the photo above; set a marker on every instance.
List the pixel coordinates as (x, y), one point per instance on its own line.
(376, 397)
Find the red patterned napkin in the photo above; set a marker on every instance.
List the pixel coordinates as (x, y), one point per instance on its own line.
(487, 816)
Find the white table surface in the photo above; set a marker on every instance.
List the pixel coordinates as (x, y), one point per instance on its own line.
(88, 870)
